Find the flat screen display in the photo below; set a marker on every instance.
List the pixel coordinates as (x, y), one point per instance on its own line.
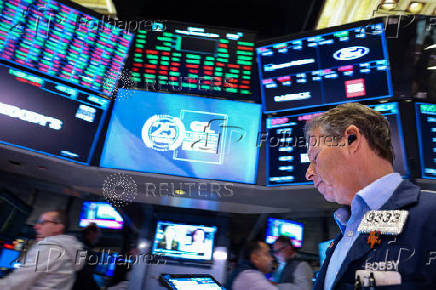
(102, 214)
(107, 264)
(63, 42)
(49, 117)
(195, 60)
(287, 159)
(331, 68)
(8, 258)
(426, 127)
(190, 282)
(278, 227)
(183, 135)
(322, 248)
(183, 241)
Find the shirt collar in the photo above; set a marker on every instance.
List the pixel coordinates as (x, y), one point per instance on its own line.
(374, 195)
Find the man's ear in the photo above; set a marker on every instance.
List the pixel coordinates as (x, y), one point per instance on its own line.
(353, 138)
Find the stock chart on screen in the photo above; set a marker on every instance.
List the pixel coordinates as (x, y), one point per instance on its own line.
(62, 42)
(195, 60)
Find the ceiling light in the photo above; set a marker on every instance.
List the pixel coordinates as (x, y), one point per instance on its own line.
(415, 7)
(389, 4)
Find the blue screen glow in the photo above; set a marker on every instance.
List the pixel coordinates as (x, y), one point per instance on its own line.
(183, 135)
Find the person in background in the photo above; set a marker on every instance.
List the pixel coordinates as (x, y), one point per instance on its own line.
(293, 273)
(85, 280)
(51, 262)
(250, 273)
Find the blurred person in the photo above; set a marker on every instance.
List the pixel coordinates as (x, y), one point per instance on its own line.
(293, 273)
(169, 240)
(90, 235)
(51, 262)
(250, 273)
(387, 224)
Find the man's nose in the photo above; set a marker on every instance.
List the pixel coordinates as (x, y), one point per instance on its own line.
(310, 173)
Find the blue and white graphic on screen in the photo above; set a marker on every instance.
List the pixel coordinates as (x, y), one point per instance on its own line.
(184, 135)
(330, 68)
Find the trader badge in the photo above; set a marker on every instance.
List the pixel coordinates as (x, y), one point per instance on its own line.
(387, 222)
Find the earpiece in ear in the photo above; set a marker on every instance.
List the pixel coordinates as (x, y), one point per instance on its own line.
(351, 138)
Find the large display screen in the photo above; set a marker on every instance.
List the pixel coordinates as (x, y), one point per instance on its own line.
(183, 135)
(287, 159)
(190, 282)
(278, 227)
(331, 68)
(426, 127)
(53, 38)
(183, 241)
(102, 214)
(195, 60)
(49, 117)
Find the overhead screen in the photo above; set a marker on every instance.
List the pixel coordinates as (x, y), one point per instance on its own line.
(53, 38)
(426, 126)
(183, 135)
(331, 68)
(103, 214)
(194, 60)
(287, 159)
(49, 117)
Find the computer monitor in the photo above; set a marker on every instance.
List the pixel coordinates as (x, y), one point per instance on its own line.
(339, 65)
(322, 248)
(426, 128)
(195, 59)
(183, 135)
(64, 41)
(280, 227)
(184, 241)
(102, 214)
(8, 258)
(287, 159)
(106, 264)
(49, 117)
(189, 282)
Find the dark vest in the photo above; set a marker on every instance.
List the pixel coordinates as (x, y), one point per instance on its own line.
(287, 274)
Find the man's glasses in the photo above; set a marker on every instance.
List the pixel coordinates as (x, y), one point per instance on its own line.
(43, 222)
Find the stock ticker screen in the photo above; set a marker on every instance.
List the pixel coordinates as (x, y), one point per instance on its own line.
(194, 60)
(48, 117)
(426, 127)
(183, 135)
(332, 68)
(62, 42)
(287, 159)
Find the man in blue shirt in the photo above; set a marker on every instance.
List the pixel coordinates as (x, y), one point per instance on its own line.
(387, 225)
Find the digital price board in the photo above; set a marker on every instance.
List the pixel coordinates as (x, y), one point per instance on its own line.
(62, 42)
(426, 127)
(331, 68)
(195, 60)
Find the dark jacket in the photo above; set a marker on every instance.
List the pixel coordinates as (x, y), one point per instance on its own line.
(414, 248)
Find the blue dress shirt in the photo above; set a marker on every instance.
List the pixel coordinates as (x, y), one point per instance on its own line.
(372, 197)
